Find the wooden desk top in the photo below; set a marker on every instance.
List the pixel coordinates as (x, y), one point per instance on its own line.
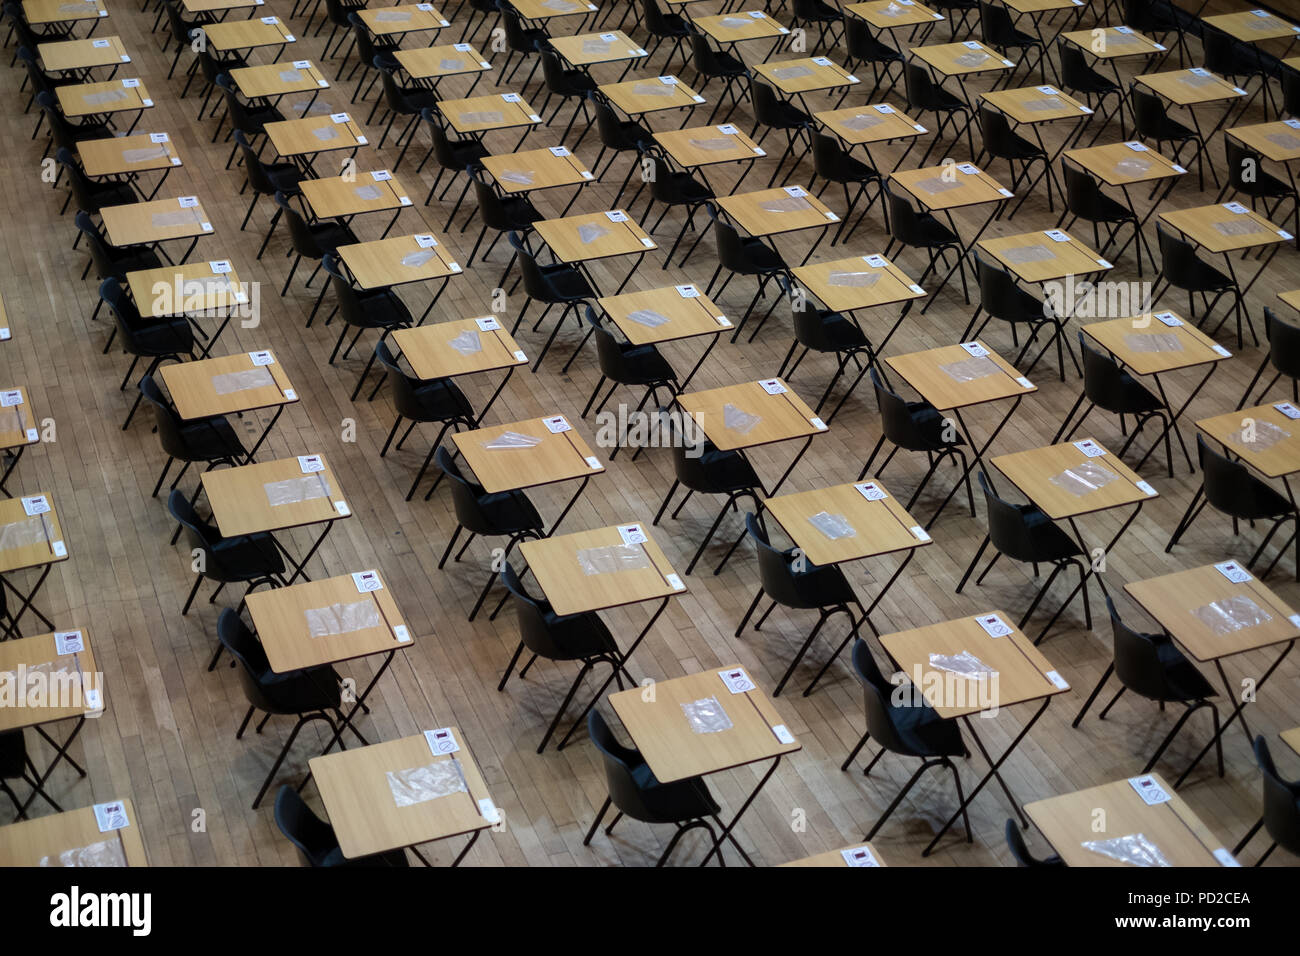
(1040, 475)
(81, 695)
(532, 169)
(30, 541)
(588, 49)
(481, 114)
(327, 621)
(68, 55)
(538, 10)
(186, 289)
(232, 35)
(1036, 104)
(774, 212)
(156, 221)
(858, 282)
(1225, 227)
(278, 79)
(650, 94)
(559, 456)
(1041, 6)
(805, 75)
(1190, 87)
(1213, 617)
(1044, 256)
(961, 59)
(1275, 449)
(863, 854)
(1291, 298)
(600, 569)
(218, 6)
(29, 842)
(242, 382)
(1023, 673)
(1114, 42)
(662, 731)
(593, 235)
(952, 376)
(1252, 26)
(315, 134)
(892, 14)
(880, 525)
(1123, 164)
(5, 332)
(782, 415)
(1068, 820)
(241, 497)
(708, 145)
(1148, 345)
(127, 154)
(729, 28)
(18, 423)
(100, 99)
(687, 310)
(951, 186)
(399, 260)
(449, 59)
(361, 801)
(337, 197)
(402, 18)
(875, 123)
(1278, 141)
(62, 11)
(1292, 738)
(429, 352)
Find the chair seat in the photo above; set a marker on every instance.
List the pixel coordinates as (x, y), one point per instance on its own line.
(380, 309)
(301, 691)
(850, 169)
(671, 26)
(787, 117)
(1265, 186)
(111, 194)
(931, 232)
(245, 558)
(683, 188)
(284, 178)
(941, 101)
(724, 472)
(761, 257)
(1263, 503)
(871, 50)
(1047, 542)
(566, 283)
(930, 427)
(133, 261)
(836, 334)
(726, 65)
(255, 118)
(509, 512)
(818, 12)
(925, 733)
(1026, 308)
(520, 213)
(335, 857)
(1168, 130)
(578, 636)
(1208, 279)
(166, 337)
(1133, 398)
(1184, 681)
(673, 802)
(1094, 83)
(820, 585)
(415, 99)
(1017, 147)
(212, 439)
(645, 365)
(629, 134)
(1107, 210)
(442, 400)
(330, 235)
(574, 83)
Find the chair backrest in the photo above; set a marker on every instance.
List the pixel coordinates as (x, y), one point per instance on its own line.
(903, 221)
(620, 763)
(39, 79)
(767, 105)
(1082, 194)
(300, 234)
(998, 137)
(1000, 297)
(13, 755)
(1103, 379)
(878, 694)
(126, 315)
(1149, 115)
(62, 132)
(200, 534)
(1137, 659)
(1228, 485)
(253, 166)
(1016, 843)
(552, 71)
(101, 253)
(254, 668)
(996, 27)
(1283, 343)
(1220, 53)
(1076, 75)
(704, 58)
(828, 158)
(240, 117)
(1244, 166)
(314, 838)
(918, 87)
(896, 420)
(655, 21)
(182, 30)
(393, 97)
(1291, 91)
(170, 427)
(366, 50)
(1179, 263)
(1281, 801)
(608, 126)
(536, 284)
(731, 251)
(776, 575)
(490, 206)
(83, 191)
(351, 309)
(516, 37)
(442, 146)
(465, 496)
(533, 615)
(1009, 528)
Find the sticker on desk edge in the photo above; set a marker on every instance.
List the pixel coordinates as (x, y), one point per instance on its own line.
(632, 534)
(975, 349)
(860, 855)
(1287, 409)
(60, 549)
(36, 505)
(1057, 680)
(920, 533)
(441, 741)
(556, 424)
(342, 508)
(1225, 857)
(111, 816)
(1146, 488)
(1233, 571)
(688, 291)
(488, 809)
(487, 323)
(593, 462)
(783, 733)
(817, 423)
(1090, 448)
(1149, 790)
(993, 625)
(11, 397)
(675, 582)
(402, 634)
(737, 680)
(772, 386)
(69, 642)
(871, 491)
(311, 464)
(1169, 319)
(367, 581)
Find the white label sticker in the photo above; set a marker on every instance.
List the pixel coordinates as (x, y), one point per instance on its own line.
(402, 634)
(1225, 857)
(817, 423)
(632, 534)
(488, 323)
(60, 549)
(675, 582)
(10, 398)
(861, 855)
(783, 733)
(1090, 448)
(688, 291)
(993, 625)
(36, 505)
(974, 348)
(737, 680)
(311, 463)
(920, 533)
(1233, 571)
(1149, 790)
(616, 215)
(1146, 488)
(1287, 409)
(772, 386)
(367, 581)
(871, 491)
(68, 642)
(111, 816)
(485, 805)
(441, 741)
(1057, 680)
(342, 508)
(556, 424)
(188, 202)
(592, 462)
(1169, 319)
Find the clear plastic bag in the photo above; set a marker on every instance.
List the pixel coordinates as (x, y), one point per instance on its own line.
(937, 184)
(612, 558)
(466, 343)
(590, 232)
(971, 369)
(1134, 848)
(104, 97)
(791, 72)
(343, 618)
(596, 46)
(1036, 252)
(734, 23)
(964, 664)
(392, 16)
(1198, 79)
(174, 217)
(1133, 166)
(856, 280)
(834, 526)
(417, 258)
(786, 204)
(648, 317)
(23, 533)
(861, 121)
(737, 420)
(290, 76)
(1231, 614)
(368, 192)
(482, 116)
(560, 6)
(1265, 435)
(11, 421)
(652, 89)
(102, 853)
(416, 785)
(1084, 478)
(290, 491)
(325, 132)
(228, 382)
(449, 64)
(1239, 227)
(1153, 342)
(706, 716)
(144, 154)
(512, 440)
(1044, 104)
(1285, 140)
(972, 58)
(714, 144)
(517, 177)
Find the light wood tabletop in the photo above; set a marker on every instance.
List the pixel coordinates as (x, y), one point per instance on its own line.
(315, 134)
(892, 14)
(430, 353)
(650, 95)
(30, 533)
(1123, 164)
(1066, 481)
(863, 854)
(694, 725)
(398, 260)
(951, 186)
(338, 197)
(403, 18)
(1291, 297)
(63, 11)
(601, 569)
(102, 99)
(142, 223)
(664, 315)
(18, 423)
(1070, 820)
(233, 35)
(876, 522)
(203, 286)
(1015, 670)
(954, 376)
(1041, 6)
(728, 28)
(243, 382)
(74, 838)
(805, 75)
(777, 211)
(1265, 437)
(1112, 43)
(6, 332)
(1278, 141)
(858, 282)
(961, 59)
(73, 684)
(1036, 104)
(67, 56)
(1152, 343)
(218, 6)
(481, 114)
(781, 414)
(1292, 738)
(1044, 256)
(1217, 610)
(532, 169)
(137, 153)
(448, 59)
(874, 123)
(560, 455)
(589, 49)
(1225, 227)
(707, 145)
(593, 235)
(274, 495)
(1253, 26)
(541, 10)
(327, 621)
(1190, 87)
(386, 796)
(278, 79)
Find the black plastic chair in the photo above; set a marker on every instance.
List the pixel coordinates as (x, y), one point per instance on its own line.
(998, 31)
(182, 31)
(16, 764)
(1002, 142)
(747, 256)
(1281, 818)
(204, 441)
(315, 839)
(1152, 666)
(1159, 18)
(1152, 122)
(362, 310)
(664, 26)
(833, 163)
(309, 694)
(156, 340)
(1024, 533)
(1246, 177)
(249, 117)
(771, 112)
(562, 638)
(710, 65)
(501, 214)
(453, 155)
(1083, 82)
(1240, 63)
(552, 285)
(368, 49)
(209, 68)
(1002, 299)
(566, 85)
(91, 195)
(336, 15)
(109, 261)
(398, 101)
(507, 514)
(1230, 488)
(673, 188)
(1085, 202)
(310, 240)
(265, 179)
(1182, 269)
(616, 136)
(790, 580)
(422, 401)
(41, 82)
(951, 111)
(825, 332)
(1020, 851)
(1283, 355)
(863, 49)
(913, 229)
(632, 366)
(65, 134)
(521, 41)
(908, 728)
